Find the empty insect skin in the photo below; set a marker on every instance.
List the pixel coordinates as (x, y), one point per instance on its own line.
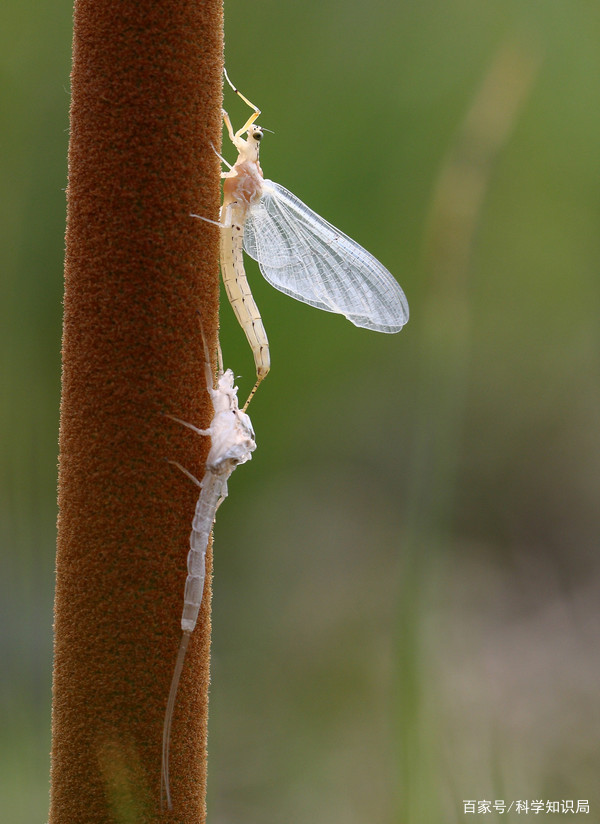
(298, 252)
(232, 443)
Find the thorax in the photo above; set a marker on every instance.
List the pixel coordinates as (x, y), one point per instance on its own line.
(243, 184)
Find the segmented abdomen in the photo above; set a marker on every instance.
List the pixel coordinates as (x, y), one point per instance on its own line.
(240, 296)
(213, 487)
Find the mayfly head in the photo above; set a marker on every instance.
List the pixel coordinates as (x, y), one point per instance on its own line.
(226, 381)
(224, 397)
(249, 148)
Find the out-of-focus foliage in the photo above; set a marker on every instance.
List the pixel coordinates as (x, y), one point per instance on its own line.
(406, 591)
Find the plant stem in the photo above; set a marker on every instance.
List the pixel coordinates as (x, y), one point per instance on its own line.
(146, 106)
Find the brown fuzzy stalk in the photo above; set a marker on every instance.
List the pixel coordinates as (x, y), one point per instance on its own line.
(146, 105)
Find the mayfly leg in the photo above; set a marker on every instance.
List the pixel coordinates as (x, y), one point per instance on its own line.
(250, 120)
(223, 161)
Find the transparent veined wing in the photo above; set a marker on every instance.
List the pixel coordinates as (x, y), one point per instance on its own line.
(306, 257)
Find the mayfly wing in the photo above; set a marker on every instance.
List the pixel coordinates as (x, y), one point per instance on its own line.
(303, 255)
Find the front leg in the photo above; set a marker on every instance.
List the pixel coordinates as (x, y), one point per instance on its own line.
(251, 119)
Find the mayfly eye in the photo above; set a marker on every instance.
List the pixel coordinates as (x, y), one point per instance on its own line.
(258, 135)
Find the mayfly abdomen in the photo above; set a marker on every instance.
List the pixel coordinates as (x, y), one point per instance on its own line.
(204, 518)
(240, 297)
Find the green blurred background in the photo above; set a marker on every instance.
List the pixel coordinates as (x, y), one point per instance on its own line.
(406, 609)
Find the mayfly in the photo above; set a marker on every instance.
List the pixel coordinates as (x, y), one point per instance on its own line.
(297, 251)
(232, 443)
